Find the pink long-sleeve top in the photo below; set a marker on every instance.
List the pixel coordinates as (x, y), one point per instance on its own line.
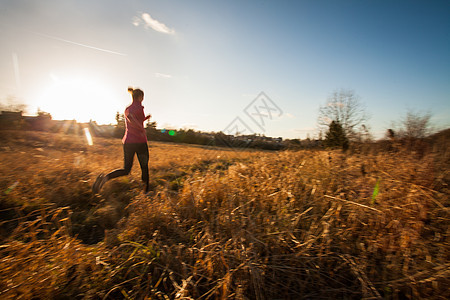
(134, 122)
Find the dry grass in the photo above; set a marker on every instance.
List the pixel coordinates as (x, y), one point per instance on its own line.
(221, 224)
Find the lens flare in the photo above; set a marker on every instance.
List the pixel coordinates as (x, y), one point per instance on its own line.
(375, 191)
(11, 187)
(87, 133)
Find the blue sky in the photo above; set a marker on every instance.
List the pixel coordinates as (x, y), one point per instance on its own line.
(200, 63)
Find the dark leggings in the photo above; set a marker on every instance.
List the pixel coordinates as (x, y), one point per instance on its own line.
(141, 149)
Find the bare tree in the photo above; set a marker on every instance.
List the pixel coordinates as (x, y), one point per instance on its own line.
(344, 107)
(415, 125)
(364, 134)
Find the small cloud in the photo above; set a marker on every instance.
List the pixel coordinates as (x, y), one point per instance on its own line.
(148, 22)
(161, 75)
(136, 21)
(284, 117)
(289, 116)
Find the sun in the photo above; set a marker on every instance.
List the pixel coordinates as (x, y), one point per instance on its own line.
(79, 98)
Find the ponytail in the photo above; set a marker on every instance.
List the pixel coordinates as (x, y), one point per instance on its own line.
(135, 93)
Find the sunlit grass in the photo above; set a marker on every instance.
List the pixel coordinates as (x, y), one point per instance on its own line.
(220, 223)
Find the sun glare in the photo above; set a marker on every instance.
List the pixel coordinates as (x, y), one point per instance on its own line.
(87, 133)
(80, 99)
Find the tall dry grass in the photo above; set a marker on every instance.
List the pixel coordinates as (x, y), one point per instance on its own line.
(223, 224)
(305, 225)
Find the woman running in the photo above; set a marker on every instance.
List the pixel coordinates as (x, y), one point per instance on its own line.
(134, 142)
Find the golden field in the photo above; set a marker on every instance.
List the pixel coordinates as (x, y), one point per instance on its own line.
(221, 223)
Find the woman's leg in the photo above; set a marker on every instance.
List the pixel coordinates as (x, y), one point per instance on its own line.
(128, 155)
(142, 154)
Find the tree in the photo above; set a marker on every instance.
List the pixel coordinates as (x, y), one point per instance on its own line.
(43, 114)
(119, 131)
(390, 134)
(364, 134)
(335, 136)
(151, 131)
(343, 107)
(12, 104)
(415, 125)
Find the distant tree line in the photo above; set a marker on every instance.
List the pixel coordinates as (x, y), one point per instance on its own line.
(342, 118)
(190, 136)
